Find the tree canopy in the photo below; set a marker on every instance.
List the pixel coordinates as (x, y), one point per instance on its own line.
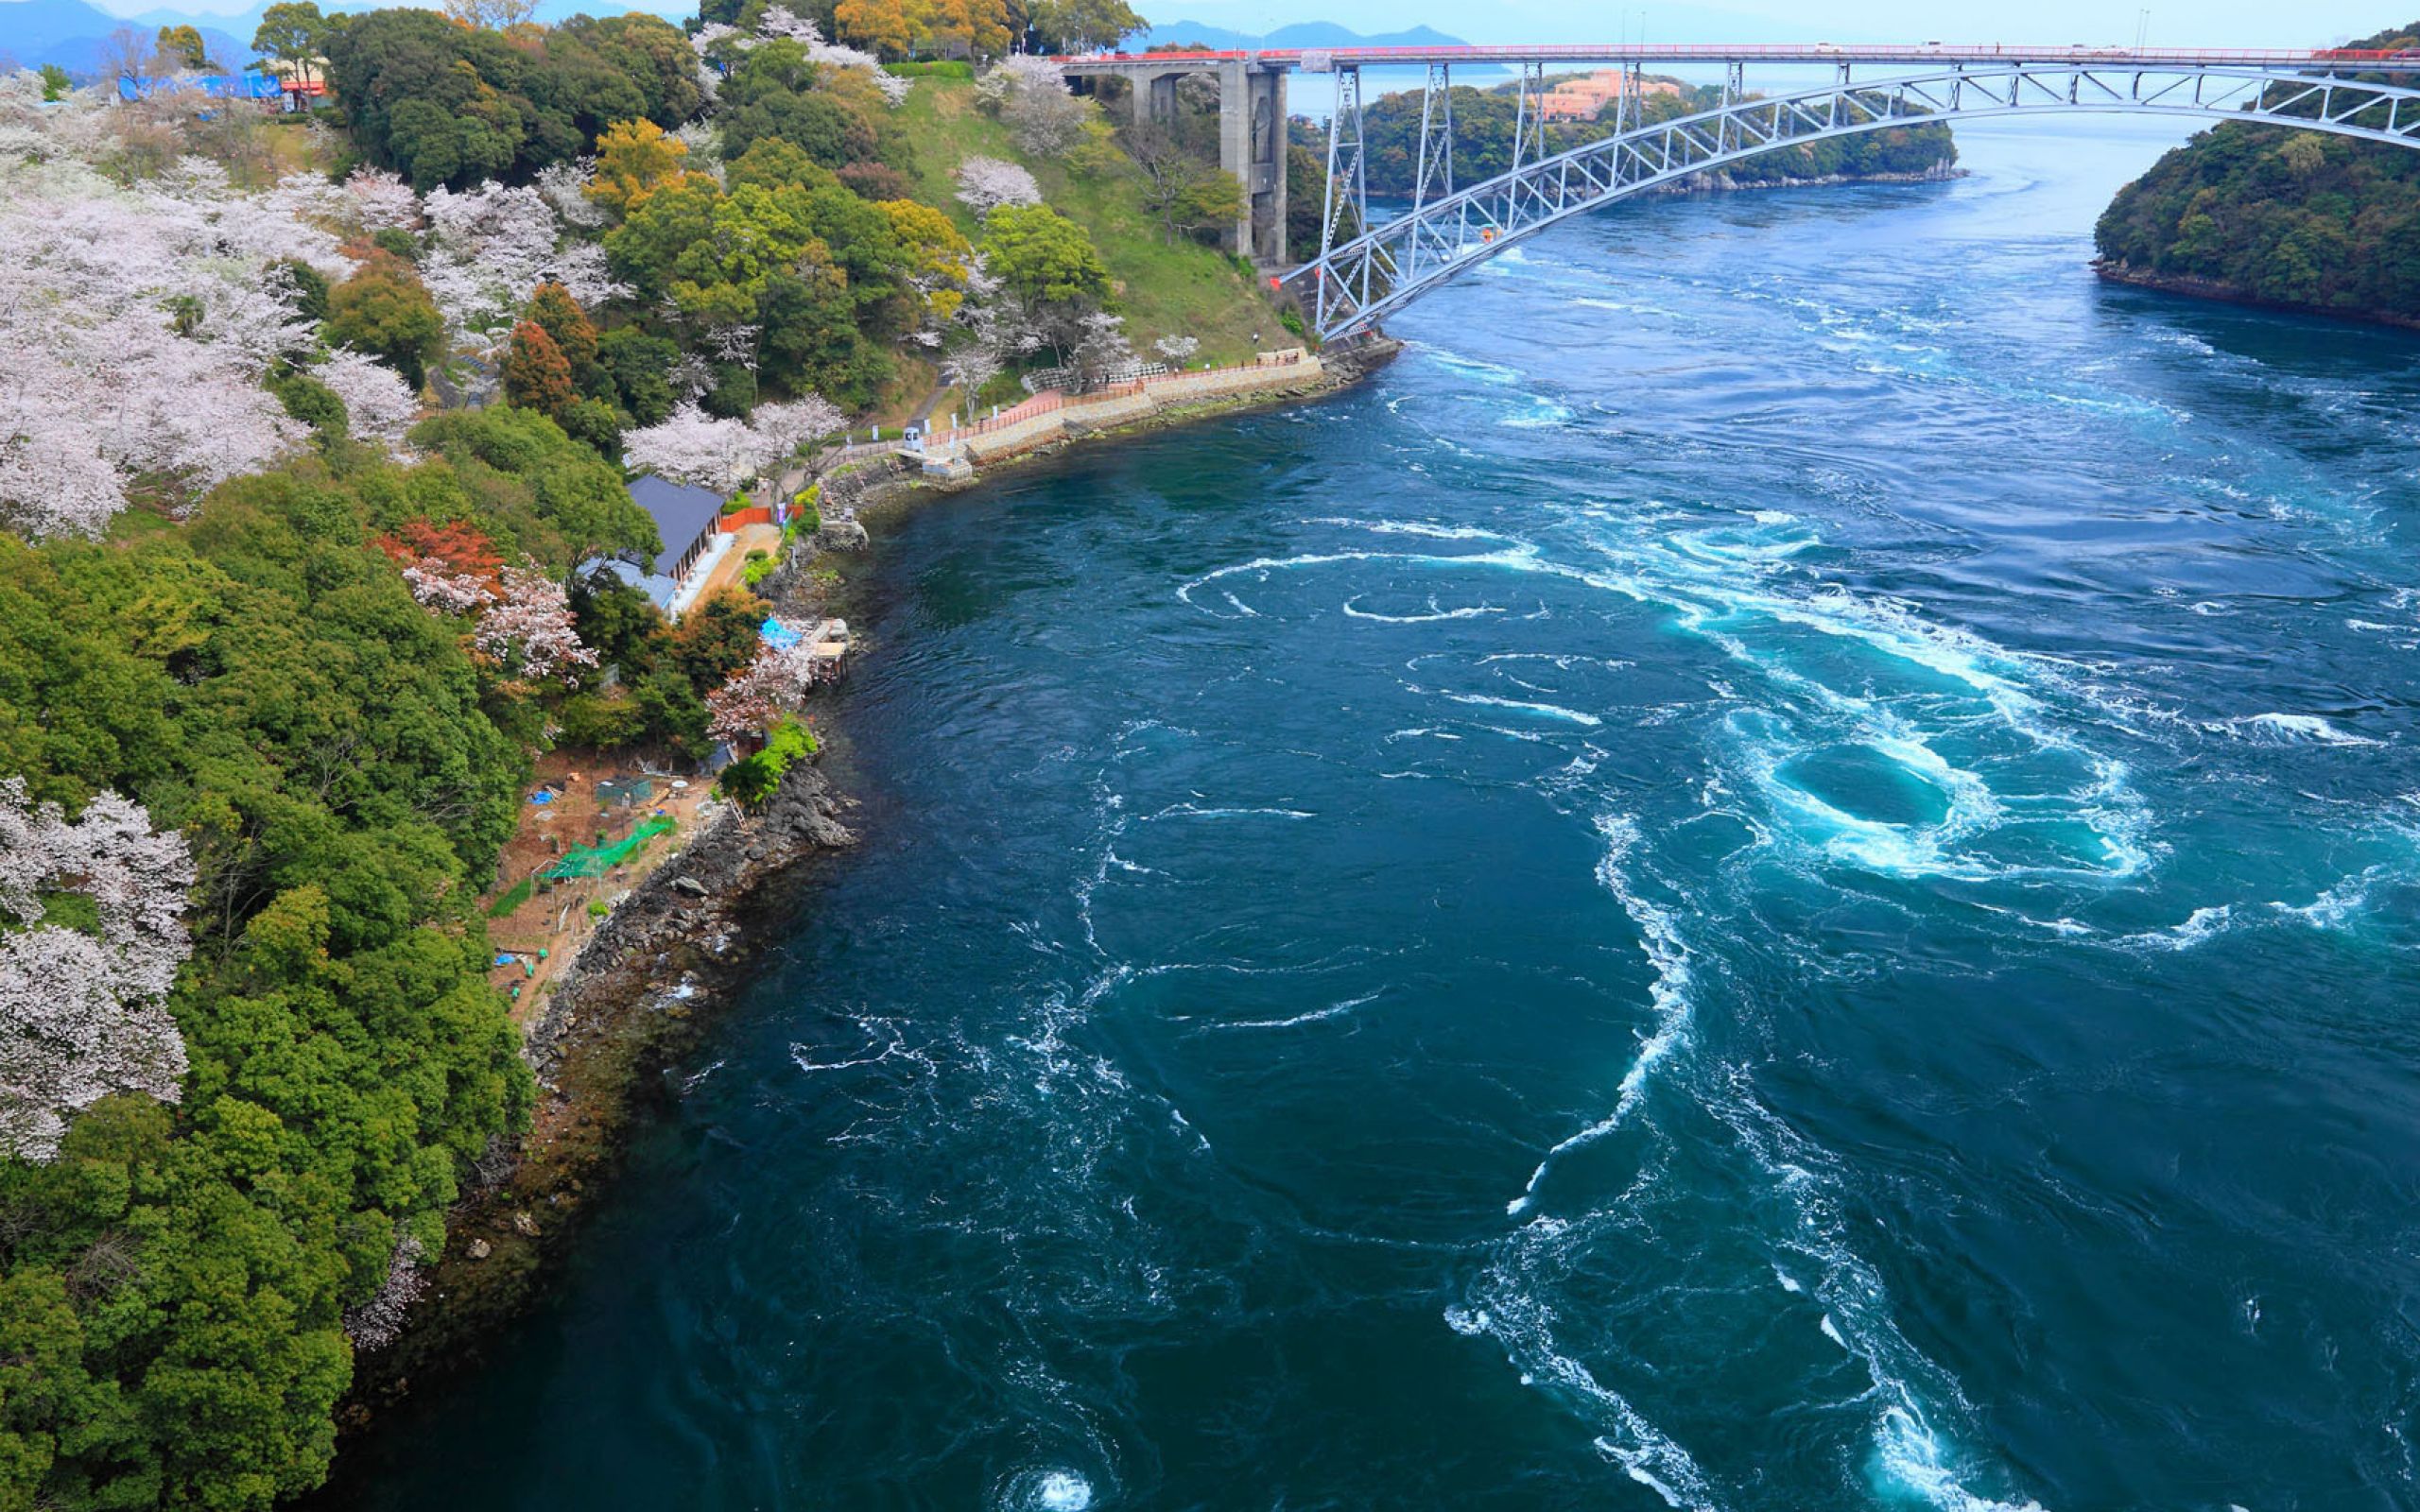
(441, 103)
(2289, 218)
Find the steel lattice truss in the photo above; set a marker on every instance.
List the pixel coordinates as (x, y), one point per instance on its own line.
(1364, 271)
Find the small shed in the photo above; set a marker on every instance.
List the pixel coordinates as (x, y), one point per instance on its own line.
(685, 516)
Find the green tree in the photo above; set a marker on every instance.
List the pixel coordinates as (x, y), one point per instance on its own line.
(384, 310)
(55, 83)
(2296, 218)
(293, 32)
(182, 47)
(1050, 265)
(640, 366)
(1083, 26)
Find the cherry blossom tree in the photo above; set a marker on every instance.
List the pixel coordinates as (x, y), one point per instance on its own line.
(1175, 348)
(1032, 96)
(529, 630)
(760, 693)
(691, 446)
(379, 1321)
(381, 200)
(715, 40)
(984, 184)
(1102, 352)
(379, 406)
(487, 248)
(451, 569)
(140, 322)
(992, 333)
(82, 1012)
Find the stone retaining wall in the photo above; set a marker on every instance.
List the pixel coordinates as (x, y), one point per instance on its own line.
(1014, 434)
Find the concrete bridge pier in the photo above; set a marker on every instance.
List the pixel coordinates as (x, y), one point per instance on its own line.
(1252, 146)
(1252, 134)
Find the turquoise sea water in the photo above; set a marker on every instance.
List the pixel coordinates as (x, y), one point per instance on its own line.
(1781, 873)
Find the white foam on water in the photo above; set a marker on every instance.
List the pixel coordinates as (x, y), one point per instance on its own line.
(1062, 1491)
(2280, 726)
(1914, 1455)
(1789, 1283)
(1414, 527)
(1912, 1459)
(1659, 939)
(1334, 1010)
(1548, 710)
(1543, 413)
(1242, 608)
(1468, 611)
(1193, 811)
(1487, 372)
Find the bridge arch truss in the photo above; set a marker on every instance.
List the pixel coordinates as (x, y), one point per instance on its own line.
(1366, 271)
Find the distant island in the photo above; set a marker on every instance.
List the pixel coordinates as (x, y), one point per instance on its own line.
(2296, 220)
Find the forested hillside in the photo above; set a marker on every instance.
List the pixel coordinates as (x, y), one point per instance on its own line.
(307, 429)
(2296, 218)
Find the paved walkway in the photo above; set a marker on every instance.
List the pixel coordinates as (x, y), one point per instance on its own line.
(727, 570)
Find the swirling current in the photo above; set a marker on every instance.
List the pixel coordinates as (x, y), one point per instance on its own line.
(1782, 871)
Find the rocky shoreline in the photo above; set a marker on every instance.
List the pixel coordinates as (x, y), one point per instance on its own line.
(627, 1006)
(676, 945)
(2112, 271)
(1721, 181)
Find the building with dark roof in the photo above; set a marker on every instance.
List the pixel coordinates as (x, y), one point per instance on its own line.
(685, 516)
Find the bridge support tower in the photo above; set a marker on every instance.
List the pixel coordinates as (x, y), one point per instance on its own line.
(1252, 137)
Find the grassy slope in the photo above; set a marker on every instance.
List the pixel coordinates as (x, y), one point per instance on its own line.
(1187, 289)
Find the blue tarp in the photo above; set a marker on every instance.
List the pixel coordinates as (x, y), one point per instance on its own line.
(778, 635)
(217, 86)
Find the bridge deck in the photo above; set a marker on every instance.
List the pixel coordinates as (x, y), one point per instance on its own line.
(1321, 60)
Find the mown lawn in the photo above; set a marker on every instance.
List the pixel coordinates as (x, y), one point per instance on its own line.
(1185, 289)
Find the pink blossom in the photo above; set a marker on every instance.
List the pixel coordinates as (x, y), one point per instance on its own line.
(984, 184)
(83, 1015)
(760, 693)
(529, 629)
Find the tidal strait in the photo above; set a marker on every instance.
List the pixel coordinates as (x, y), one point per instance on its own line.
(1781, 871)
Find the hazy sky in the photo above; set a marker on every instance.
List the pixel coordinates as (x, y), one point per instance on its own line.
(2205, 23)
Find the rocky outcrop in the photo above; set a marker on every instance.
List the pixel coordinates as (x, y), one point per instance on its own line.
(841, 535)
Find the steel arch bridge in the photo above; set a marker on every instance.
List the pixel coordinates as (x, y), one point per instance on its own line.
(1365, 271)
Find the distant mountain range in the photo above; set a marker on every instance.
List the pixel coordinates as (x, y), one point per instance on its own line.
(1301, 34)
(70, 33)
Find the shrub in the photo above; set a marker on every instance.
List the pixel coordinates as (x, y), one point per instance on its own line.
(594, 719)
(754, 780)
(593, 422)
(309, 400)
(760, 565)
(1291, 320)
(396, 242)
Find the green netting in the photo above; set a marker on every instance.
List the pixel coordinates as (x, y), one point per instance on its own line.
(596, 860)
